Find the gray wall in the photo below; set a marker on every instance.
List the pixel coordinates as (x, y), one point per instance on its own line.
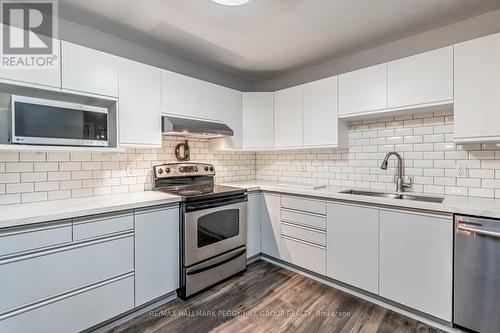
(477, 26)
(79, 34)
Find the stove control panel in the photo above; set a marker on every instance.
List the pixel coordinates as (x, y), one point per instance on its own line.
(183, 170)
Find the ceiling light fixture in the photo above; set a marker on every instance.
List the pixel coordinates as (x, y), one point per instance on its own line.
(231, 2)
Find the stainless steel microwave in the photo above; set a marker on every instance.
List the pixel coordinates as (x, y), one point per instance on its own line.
(46, 122)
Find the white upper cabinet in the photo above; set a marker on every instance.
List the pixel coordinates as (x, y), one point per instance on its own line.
(89, 71)
(363, 90)
(49, 78)
(419, 79)
(258, 119)
(288, 117)
(139, 107)
(416, 261)
(320, 116)
(477, 90)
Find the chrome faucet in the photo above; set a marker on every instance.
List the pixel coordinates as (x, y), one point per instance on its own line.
(400, 185)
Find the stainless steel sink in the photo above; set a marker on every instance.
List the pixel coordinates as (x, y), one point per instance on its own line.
(371, 194)
(395, 196)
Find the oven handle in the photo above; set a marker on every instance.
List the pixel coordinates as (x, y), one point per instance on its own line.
(479, 231)
(191, 207)
(203, 269)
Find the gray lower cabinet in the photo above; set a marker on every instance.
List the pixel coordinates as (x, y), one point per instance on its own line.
(156, 253)
(33, 278)
(253, 224)
(416, 260)
(353, 240)
(270, 234)
(74, 312)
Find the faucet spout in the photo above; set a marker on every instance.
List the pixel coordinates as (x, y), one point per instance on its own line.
(400, 185)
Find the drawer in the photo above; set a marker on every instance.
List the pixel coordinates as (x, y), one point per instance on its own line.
(75, 312)
(28, 238)
(28, 279)
(310, 220)
(305, 205)
(102, 225)
(305, 234)
(304, 255)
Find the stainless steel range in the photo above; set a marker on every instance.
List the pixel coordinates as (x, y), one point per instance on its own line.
(213, 224)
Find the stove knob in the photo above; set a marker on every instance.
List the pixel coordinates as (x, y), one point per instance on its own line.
(212, 169)
(167, 170)
(195, 169)
(160, 171)
(206, 168)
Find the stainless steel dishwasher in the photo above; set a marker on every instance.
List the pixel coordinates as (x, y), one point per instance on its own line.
(477, 274)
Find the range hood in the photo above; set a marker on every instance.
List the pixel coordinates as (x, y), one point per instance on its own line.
(173, 125)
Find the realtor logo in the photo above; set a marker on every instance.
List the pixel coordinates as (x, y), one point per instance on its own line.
(29, 34)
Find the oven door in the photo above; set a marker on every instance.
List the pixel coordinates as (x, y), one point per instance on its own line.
(213, 228)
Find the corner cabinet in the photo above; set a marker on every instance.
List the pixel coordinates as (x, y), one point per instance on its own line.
(288, 117)
(139, 106)
(258, 120)
(477, 90)
(156, 253)
(253, 224)
(416, 261)
(270, 234)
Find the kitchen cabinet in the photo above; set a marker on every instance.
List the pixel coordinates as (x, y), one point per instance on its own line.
(416, 259)
(363, 90)
(77, 311)
(352, 250)
(253, 224)
(288, 117)
(258, 119)
(139, 107)
(156, 253)
(270, 235)
(320, 116)
(89, 71)
(477, 87)
(47, 78)
(423, 78)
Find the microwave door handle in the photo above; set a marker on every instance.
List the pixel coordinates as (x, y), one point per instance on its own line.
(480, 231)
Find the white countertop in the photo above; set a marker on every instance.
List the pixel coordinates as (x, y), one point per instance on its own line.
(22, 214)
(452, 204)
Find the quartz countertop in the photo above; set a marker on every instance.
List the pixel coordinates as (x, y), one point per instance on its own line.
(451, 204)
(30, 213)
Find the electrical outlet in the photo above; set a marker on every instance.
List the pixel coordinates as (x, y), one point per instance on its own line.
(461, 170)
(130, 169)
(302, 168)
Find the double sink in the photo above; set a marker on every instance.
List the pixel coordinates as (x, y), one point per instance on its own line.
(398, 196)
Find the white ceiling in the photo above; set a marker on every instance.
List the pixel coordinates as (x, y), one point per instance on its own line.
(267, 38)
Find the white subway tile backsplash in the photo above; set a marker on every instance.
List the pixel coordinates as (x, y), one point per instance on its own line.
(20, 188)
(46, 186)
(19, 167)
(46, 166)
(51, 176)
(34, 197)
(32, 156)
(33, 177)
(57, 157)
(6, 178)
(59, 195)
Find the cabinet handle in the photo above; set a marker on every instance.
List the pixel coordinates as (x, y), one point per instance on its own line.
(480, 231)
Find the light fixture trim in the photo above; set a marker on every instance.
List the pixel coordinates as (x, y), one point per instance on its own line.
(231, 3)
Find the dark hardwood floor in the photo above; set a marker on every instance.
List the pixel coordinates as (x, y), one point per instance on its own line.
(271, 299)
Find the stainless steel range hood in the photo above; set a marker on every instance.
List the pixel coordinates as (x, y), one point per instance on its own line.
(172, 125)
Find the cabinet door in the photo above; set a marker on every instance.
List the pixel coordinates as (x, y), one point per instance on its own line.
(188, 97)
(156, 253)
(270, 234)
(352, 245)
(253, 224)
(320, 112)
(258, 120)
(423, 78)
(89, 71)
(139, 104)
(227, 107)
(416, 259)
(39, 78)
(288, 117)
(477, 87)
(363, 90)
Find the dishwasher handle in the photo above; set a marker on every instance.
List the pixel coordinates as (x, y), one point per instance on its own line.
(479, 231)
